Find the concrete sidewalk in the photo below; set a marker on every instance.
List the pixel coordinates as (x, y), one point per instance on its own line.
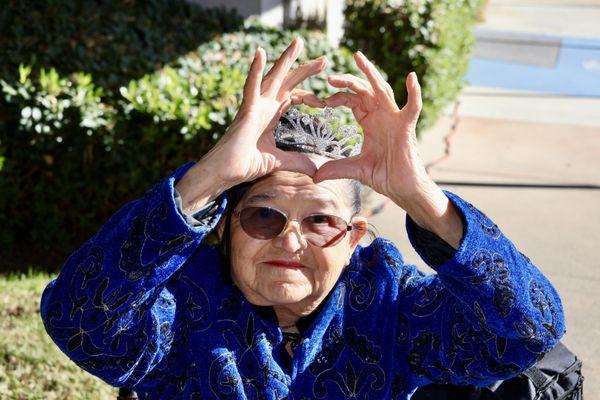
(518, 136)
(552, 17)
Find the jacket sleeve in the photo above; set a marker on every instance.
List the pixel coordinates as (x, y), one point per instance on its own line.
(486, 315)
(108, 309)
(431, 247)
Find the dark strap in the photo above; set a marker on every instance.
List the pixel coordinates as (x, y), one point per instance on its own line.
(576, 366)
(538, 378)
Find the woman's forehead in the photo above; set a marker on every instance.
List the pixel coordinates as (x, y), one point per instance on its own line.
(292, 186)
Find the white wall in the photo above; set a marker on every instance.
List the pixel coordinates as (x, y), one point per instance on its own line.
(272, 12)
(244, 7)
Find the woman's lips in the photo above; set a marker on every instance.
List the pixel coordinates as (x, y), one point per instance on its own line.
(285, 264)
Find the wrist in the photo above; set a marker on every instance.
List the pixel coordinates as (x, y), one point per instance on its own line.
(413, 191)
(431, 209)
(200, 185)
(423, 203)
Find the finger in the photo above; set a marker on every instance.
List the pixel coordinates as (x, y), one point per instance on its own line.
(286, 104)
(350, 100)
(358, 85)
(301, 96)
(253, 82)
(414, 103)
(285, 61)
(304, 71)
(339, 169)
(382, 89)
(272, 81)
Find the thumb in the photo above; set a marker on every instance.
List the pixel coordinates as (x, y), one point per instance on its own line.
(338, 169)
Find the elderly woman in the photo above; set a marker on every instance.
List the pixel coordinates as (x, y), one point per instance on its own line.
(289, 305)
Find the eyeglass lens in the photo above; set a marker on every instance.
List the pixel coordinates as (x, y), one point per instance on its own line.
(266, 223)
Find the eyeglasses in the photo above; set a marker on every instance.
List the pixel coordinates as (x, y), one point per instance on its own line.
(322, 230)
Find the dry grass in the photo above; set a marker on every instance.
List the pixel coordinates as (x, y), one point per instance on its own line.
(31, 366)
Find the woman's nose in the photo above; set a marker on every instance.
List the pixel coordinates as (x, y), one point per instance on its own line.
(291, 239)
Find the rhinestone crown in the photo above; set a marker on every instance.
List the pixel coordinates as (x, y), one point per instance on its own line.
(298, 131)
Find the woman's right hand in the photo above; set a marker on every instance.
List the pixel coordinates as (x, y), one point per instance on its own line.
(247, 150)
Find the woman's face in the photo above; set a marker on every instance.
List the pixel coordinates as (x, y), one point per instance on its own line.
(297, 196)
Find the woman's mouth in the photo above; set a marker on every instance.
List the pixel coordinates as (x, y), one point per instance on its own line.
(285, 264)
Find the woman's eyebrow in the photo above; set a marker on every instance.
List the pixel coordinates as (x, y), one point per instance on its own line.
(259, 197)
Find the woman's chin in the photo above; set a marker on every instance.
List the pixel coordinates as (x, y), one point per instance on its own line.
(287, 293)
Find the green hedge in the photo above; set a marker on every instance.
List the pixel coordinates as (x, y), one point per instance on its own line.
(73, 151)
(431, 37)
(113, 40)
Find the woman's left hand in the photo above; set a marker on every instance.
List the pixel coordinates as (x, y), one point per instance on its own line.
(389, 161)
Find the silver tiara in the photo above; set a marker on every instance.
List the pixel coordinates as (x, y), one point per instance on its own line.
(298, 131)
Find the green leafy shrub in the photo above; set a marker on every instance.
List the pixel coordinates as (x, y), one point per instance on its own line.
(114, 41)
(70, 153)
(75, 151)
(200, 92)
(430, 37)
(55, 130)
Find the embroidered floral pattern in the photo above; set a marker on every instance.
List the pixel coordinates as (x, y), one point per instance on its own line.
(143, 304)
(490, 268)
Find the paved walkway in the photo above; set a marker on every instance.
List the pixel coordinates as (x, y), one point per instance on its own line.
(509, 135)
(553, 17)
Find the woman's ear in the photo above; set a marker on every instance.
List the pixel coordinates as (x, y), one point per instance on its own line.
(221, 227)
(359, 229)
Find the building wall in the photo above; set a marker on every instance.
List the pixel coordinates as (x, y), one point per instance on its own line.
(278, 12)
(244, 7)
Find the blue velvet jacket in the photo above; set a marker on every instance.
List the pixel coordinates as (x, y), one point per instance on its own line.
(143, 303)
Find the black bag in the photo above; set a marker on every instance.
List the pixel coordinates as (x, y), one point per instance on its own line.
(557, 376)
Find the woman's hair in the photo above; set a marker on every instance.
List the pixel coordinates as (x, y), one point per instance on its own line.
(235, 195)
